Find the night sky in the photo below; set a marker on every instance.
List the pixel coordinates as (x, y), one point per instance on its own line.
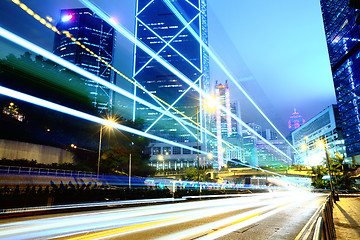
(276, 49)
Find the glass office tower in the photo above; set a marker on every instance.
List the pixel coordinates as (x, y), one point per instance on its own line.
(341, 22)
(98, 36)
(175, 31)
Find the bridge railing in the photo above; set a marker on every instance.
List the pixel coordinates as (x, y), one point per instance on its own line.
(321, 224)
(16, 170)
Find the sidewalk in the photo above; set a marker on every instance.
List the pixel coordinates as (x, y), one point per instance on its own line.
(347, 218)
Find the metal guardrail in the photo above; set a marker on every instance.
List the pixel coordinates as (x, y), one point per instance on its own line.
(349, 195)
(321, 224)
(16, 170)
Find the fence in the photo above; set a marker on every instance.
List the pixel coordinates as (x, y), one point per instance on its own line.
(321, 224)
(46, 172)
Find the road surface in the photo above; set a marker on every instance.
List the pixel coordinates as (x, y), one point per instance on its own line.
(275, 215)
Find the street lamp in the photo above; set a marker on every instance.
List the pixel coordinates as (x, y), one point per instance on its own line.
(322, 145)
(161, 158)
(110, 120)
(130, 171)
(99, 155)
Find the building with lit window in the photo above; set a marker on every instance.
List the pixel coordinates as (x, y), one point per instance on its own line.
(176, 31)
(341, 23)
(168, 157)
(326, 125)
(96, 35)
(227, 144)
(296, 120)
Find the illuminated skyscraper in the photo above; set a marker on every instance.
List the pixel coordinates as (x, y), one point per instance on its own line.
(98, 36)
(296, 120)
(341, 22)
(225, 128)
(176, 31)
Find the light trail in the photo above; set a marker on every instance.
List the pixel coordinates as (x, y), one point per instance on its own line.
(59, 108)
(134, 220)
(281, 181)
(44, 22)
(146, 49)
(218, 62)
(187, 90)
(171, 68)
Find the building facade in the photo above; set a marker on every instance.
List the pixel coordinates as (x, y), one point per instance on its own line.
(168, 157)
(98, 36)
(341, 23)
(326, 125)
(175, 31)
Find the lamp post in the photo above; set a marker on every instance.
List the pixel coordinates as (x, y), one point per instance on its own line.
(130, 171)
(161, 158)
(109, 119)
(328, 167)
(99, 155)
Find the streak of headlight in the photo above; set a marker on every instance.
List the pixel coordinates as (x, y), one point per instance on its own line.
(247, 165)
(139, 43)
(168, 112)
(189, 233)
(115, 215)
(183, 216)
(59, 108)
(242, 220)
(217, 60)
(32, 47)
(284, 177)
(170, 107)
(44, 22)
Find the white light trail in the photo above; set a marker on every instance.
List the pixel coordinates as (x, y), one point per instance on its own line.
(171, 68)
(59, 108)
(34, 48)
(218, 62)
(166, 110)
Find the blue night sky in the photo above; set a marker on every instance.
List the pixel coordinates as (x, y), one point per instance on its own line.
(275, 48)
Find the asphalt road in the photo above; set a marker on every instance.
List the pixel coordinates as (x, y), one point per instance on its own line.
(276, 215)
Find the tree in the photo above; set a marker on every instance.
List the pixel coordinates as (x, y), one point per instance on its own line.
(121, 145)
(340, 172)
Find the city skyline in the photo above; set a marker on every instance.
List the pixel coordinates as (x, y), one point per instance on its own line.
(277, 104)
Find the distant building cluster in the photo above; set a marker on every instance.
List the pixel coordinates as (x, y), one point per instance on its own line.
(183, 117)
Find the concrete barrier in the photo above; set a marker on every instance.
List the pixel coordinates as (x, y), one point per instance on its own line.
(42, 154)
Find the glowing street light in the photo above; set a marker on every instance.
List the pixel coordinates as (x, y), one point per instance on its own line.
(111, 121)
(161, 158)
(322, 145)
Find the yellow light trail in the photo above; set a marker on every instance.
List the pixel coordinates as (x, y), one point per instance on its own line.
(107, 233)
(67, 34)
